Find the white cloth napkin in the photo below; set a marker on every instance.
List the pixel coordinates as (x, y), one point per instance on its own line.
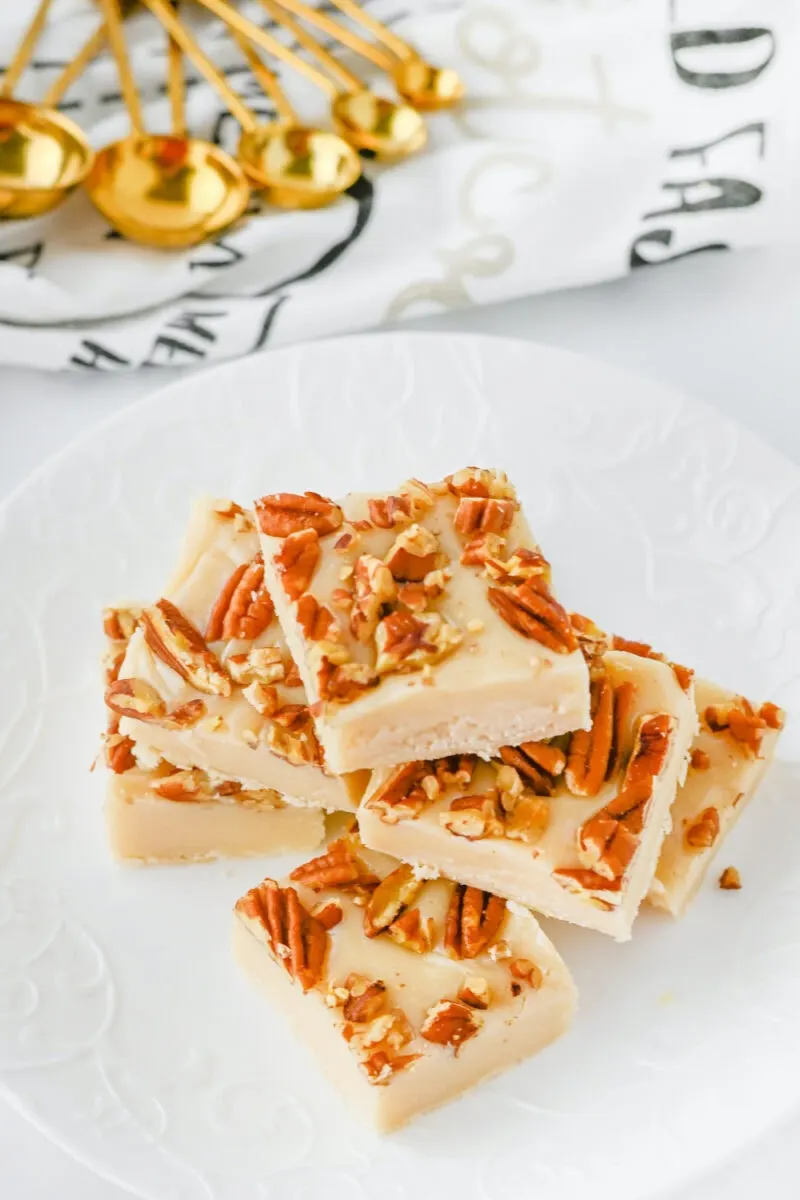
(598, 136)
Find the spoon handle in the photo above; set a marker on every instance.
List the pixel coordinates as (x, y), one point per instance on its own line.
(266, 79)
(234, 20)
(80, 62)
(347, 78)
(175, 84)
(356, 13)
(342, 34)
(116, 36)
(24, 50)
(164, 12)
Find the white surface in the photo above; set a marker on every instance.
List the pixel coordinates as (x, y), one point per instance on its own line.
(723, 328)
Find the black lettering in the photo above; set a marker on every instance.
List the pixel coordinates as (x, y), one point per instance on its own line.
(190, 322)
(658, 239)
(725, 193)
(98, 358)
(26, 256)
(756, 127)
(692, 39)
(215, 255)
(167, 349)
(266, 324)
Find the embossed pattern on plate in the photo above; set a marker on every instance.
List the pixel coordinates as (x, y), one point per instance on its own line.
(125, 1032)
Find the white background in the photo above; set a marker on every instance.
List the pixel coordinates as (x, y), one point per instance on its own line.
(725, 328)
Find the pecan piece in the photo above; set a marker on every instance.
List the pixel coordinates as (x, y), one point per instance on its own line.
(191, 784)
(586, 880)
(244, 608)
(473, 921)
(475, 992)
(532, 610)
(590, 749)
(730, 880)
(592, 640)
(295, 938)
(527, 972)
(479, 481)
(316, 621)
(119, 753)
(135, 698)
(292, 736)
(285, 513)
(703, 831)
(406, 641)
(402, 794)
(338, 867)
(173, 639)
(297, 561)
(699, 760)
(450, 1023)
(343, 682)
(413, 554)
(410, 931)
(119, 624)
(473, 817)
(374, 588)
(262, 664)
(479, 514)
(742, 723)
(528, 819)
(390, 511)
(391, 896)
(481, 548)
(365, 1002)
(529, 765)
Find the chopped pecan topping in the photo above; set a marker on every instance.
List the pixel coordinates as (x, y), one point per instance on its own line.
(609, 839)
(229, 510)
(135, 698)
(374, 588)
(456, 770)
(402, 794)
(292, 736)
(407, 641)
(475, 992)
(390, 511)
(413, 554)
(184, 716)
(586, 880)
(527, 817)
(410, 931)
(394, 893)
(683, 675)
(477, 481)
(590, 750)
(244, 608)
(262, 664)
(703, 831)
(526, 971)
(450, 1023)
(481, 549)
(119, 753)
(414, 596)
(532, 610)
(328, 914)
(593, 641)
(366, 1000)
(730, 880)
(699, 760)
(173, 639)
(473, 817)
(285, 513)
(473, 921)
(191, 784)
(316, 621)
(742, 723)
(523, 564)
(338, 867)
(297, 561)
(119, 624)
(479, 514)
(291, 677)
(342, 599)
(529, 760)
(295, 938)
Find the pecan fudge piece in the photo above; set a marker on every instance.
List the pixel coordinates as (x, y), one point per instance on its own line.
(422, 623)
(730, 754)
(206, 679)
(571, 827)
(408, 991)
(170, 815)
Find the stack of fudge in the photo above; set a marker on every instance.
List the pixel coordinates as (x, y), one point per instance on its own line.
(403, 658)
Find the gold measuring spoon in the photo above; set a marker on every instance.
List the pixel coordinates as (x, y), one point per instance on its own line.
(293, 166)
(43, 155)
(369, 122)
(420, 83)
(167, 191)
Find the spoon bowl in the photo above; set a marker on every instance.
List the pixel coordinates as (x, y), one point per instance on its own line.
(426, 87)
(167, 191)
(377, 126)
(297, 167)
(43, 157)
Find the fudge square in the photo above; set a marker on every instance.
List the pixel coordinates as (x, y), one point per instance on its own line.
(572, 827)
(206, 679)
(407, 991)
(423, 623)
(733, 748)
(170, 815)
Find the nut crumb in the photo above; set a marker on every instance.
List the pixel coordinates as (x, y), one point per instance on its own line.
(475, 625)
(730, 880)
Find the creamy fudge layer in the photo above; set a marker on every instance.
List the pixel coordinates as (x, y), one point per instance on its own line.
(423, 623)
(574, 827)
(206, 679)
(407, 991)
(168, 815)
(730, 754)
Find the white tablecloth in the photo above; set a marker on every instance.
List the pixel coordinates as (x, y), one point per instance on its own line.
(721, 327)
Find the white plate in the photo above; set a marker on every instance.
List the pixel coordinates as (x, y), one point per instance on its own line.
(125, 1032)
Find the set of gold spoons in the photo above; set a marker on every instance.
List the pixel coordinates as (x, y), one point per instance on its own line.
(176, 190)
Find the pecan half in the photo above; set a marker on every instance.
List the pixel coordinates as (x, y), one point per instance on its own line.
(531, 610)
(610, 838)
(338, 867)
(413, 554)
(135, 698)
(450, 1023)
(406, 641)
(295, 938)
(173, 639)
(374, 587)
(316, 621)
(703, 831)
(244, 608)
(473, 921)
(394, 893)
(479, 514)
(297, 560)
(284, 513)
(590, 749)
